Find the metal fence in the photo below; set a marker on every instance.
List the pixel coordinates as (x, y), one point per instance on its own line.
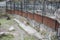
(46, 7)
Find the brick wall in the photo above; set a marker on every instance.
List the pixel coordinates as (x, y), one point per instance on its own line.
(17, 12)
(12, 11)
(49, 22)
(42, 19)
(8, 11)
(57, 25)
(25, 14)
(30, 15)
(20, 13)
(38, 18)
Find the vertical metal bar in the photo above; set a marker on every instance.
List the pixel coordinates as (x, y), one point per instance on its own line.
(44, 1)
(25, 6)
(51, 6)
(18, 7)
(14, 7)
(6, 7)
(10, 7)
(21, 8)
(28, 7)
(34, 8)
(43, 10)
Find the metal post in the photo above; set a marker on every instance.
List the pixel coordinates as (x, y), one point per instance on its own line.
(6, 7)
(21, 7)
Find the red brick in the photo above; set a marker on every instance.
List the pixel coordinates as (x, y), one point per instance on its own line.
(20, 13)
(30, 15)
(46, 20)
(10, 11)
(38, 18)
(57, 25)
(16, 12)
(25, 14)
(7, 11)
(49, 22)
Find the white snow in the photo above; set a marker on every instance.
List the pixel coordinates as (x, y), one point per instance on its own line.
(11, 28)
(1, 33)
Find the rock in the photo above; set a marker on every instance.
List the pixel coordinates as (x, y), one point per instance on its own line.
(25, 22)
(11, 28)
(46, 31)
(1, 33)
